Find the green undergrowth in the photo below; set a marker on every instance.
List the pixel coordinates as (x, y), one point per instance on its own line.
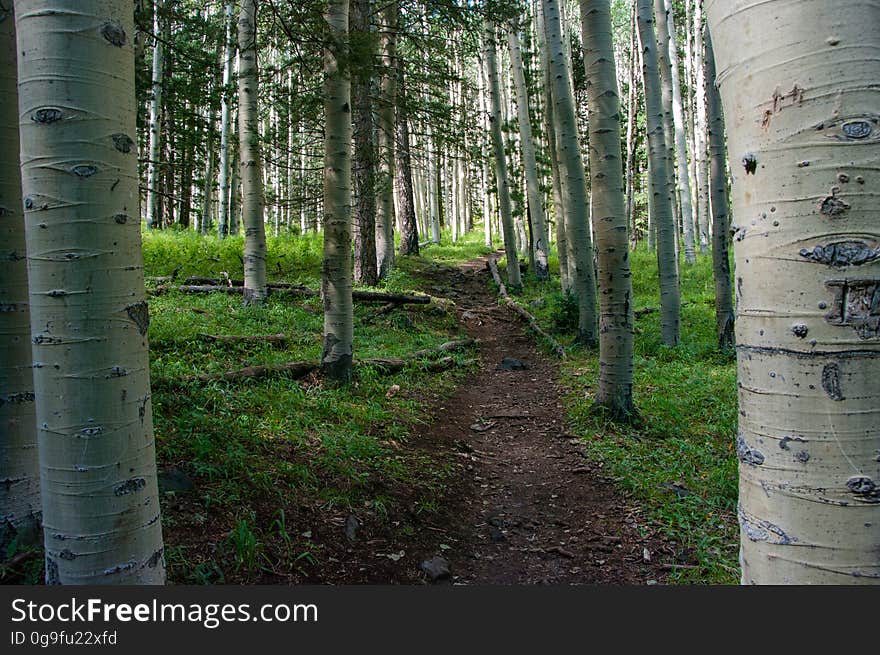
(678, 460)
(262, 451)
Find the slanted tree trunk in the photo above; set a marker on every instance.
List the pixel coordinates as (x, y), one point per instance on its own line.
(225, 119)
(700, 138)
(365, 263)
(661, 205)
(631, 107)
(571, 165)
(495, 120)
(336, 358)
(616, 330)
(387, 103)
(540, 244)
(724, 311)
(19, 466)
(800, 99)
(409, 233)
(154, 213)
(680, 134)
(88, 316)
(252, 200)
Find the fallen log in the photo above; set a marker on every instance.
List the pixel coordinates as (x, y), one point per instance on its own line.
(298, 370)
(279, 340)
(530, 319)
(290, 289)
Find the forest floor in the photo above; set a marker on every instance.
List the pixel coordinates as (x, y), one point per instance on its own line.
(473, 474)
(531, 508)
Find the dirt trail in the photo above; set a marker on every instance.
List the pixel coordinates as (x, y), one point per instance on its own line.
(532, 509)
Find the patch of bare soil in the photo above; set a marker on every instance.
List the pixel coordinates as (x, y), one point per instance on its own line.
(530, 508)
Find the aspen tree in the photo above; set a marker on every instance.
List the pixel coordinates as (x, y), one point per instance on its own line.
(700, 128)
(680, 137)
(19, 466)
(387, 103)
(533, 188)
(89, 320)
(799, 88)
(616, 329)
(154, 219)
(724, 311)
(495, 119)
(336, 358)
(225, 115)
(660, 205)
(250, 157)
(571, 169)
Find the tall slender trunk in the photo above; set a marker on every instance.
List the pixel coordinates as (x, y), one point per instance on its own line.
(387, 103)
(702, 161)
(661, 205)
(433, 203)
(19, 466)
(226, 100)
(680, 134)
(365, 265)
(154, 213)
(724, 310)
(571, 165)
(799, 88)
(252, 200)
(336, 358)
(88, 315)
(536, 209)
(409, 232)
(631, 107)
(616, 329)
(495, 119)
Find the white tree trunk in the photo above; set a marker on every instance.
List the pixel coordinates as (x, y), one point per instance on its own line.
(571, 170)
(700, 130)
(533, 187)
(799, 87)
(495, 118)
(660, 198)
(154, 220)
(19, 466)
(226, 100)
(250, 158)
(89, 320)
(336, 358)
(387, 101)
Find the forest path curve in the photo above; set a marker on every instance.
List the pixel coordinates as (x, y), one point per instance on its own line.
(531, 509)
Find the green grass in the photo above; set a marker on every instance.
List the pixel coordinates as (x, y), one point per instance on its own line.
(260, 446)
(679, 461)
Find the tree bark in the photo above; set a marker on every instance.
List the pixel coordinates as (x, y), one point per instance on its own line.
(225, 116)
(616, 329)
(800, 98)
(538, 222)
(88, 315)
(571, 165)
(724, 311)
(336, 357)
(409, 233)
(387, 103)
(661, 205)
(19, 466)
(680, 139)
(702, 161)
(366, 270)
(495, 120)
(154, 214)
(252, 199)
